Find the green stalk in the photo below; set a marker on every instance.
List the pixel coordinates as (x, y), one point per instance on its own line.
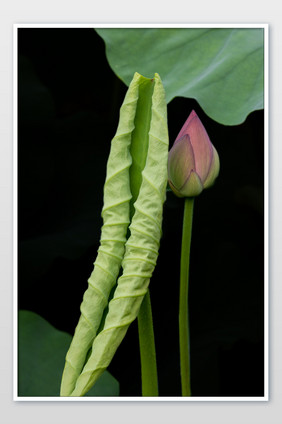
(183, 299)
(147, 349)
(138, 150)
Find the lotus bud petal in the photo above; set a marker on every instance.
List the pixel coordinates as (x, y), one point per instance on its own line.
(193, 162)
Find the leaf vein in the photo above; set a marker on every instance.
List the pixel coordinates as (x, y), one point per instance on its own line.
(103, 269)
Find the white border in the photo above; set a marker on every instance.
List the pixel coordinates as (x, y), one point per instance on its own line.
(142, 25)
(266, 212)
(266, 218)
(15, 214)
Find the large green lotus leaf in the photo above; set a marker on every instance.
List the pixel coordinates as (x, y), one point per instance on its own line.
(222, 68)
(41, 357)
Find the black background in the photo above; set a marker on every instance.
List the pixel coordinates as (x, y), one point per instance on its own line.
(69, 100)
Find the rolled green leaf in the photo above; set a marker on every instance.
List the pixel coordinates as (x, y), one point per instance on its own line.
(141, 248)
(116, 218)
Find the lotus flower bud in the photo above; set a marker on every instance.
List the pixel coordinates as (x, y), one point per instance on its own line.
(193, 162)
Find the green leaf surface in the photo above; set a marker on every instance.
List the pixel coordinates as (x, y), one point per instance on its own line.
(41, 356)
(222, 68)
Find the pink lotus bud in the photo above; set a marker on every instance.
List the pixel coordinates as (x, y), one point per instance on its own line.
(193, 162)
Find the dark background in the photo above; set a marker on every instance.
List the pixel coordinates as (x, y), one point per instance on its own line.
(69, 100)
